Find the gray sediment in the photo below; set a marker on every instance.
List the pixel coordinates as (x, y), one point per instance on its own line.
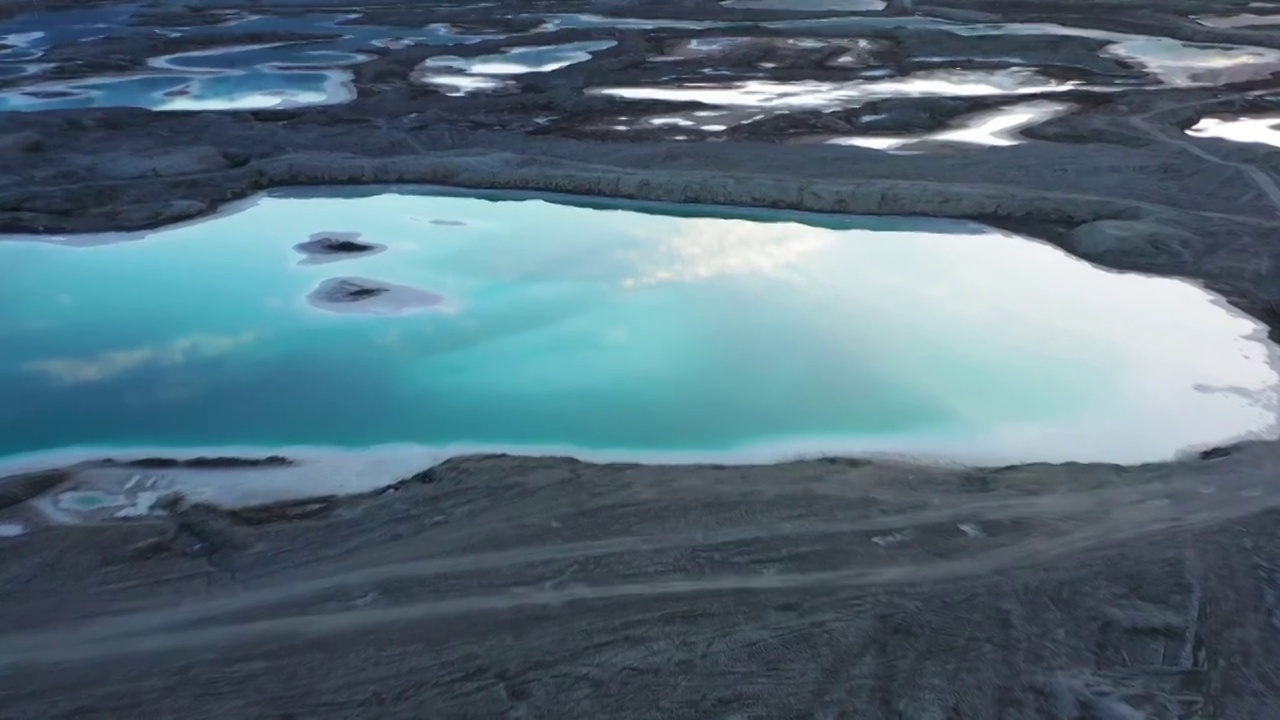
(503, 586)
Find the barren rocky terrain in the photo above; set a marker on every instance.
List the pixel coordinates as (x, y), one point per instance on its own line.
(506, 587)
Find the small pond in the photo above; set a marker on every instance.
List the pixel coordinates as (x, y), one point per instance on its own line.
(614, 331)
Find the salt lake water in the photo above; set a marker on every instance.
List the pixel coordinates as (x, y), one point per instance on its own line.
(613, 331)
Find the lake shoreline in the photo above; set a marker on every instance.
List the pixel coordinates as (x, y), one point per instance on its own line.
(500, 586)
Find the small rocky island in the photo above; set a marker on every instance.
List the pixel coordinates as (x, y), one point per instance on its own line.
(372, 297)
(327, 247)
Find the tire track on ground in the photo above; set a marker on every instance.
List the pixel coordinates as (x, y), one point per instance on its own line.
(148, 631)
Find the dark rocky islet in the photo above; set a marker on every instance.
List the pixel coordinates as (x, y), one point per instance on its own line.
(326, 247)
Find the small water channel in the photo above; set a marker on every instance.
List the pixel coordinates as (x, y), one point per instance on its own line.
(610, 331)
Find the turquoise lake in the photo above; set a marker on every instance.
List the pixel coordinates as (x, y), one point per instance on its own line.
(614, 331)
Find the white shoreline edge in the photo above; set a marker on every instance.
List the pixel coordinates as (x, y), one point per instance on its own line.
(396, 461)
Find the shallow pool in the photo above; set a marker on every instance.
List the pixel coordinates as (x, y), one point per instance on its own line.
(261, 89)
(230, 75)
(636, 332)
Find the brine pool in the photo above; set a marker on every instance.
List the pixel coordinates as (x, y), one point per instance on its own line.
(610, 331)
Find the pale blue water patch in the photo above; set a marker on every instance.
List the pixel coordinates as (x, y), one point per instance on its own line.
(29, 35)
(616, 331)
(20, 47)
(253, 57)
(86, 500)
(1166, 60)
(459, 76)
(167, 91)
(352, 36)
(25, 38)
(235, 77)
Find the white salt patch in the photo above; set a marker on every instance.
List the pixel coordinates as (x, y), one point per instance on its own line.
(520, 60)
(317, 472)
(1264, 129)
(893, 538)
(816, 94)
(460, 85)
(997, 127)
(111, 92)
(994, 128)
(338, 88)
(143, 504)
(876, 142)
(678, 122)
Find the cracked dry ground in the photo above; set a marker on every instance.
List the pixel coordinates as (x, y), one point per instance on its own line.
(521, 588)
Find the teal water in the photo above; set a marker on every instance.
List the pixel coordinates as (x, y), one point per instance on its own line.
(616, 331)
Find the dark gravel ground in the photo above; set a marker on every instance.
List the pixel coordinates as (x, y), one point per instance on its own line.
(504, 587)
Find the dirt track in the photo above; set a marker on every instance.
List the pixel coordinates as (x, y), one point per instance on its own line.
(510, 587)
